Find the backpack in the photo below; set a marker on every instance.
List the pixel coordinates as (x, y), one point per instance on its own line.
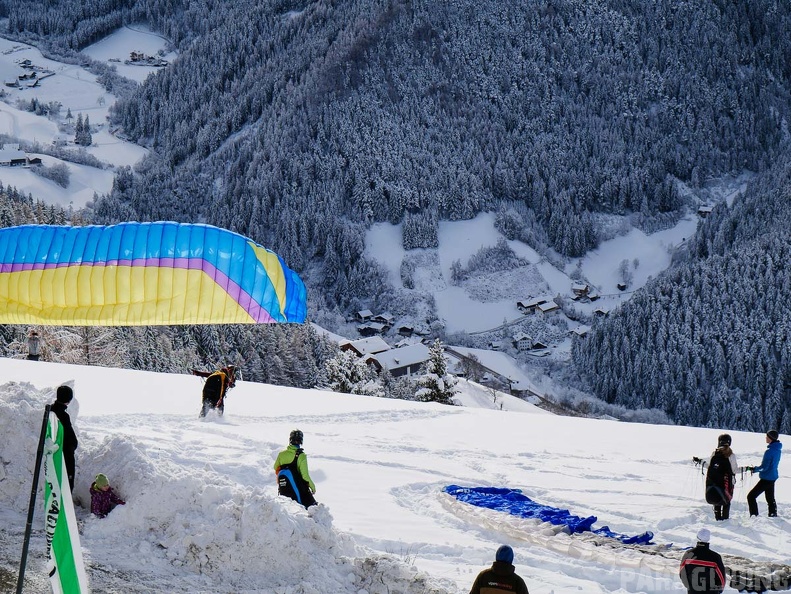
(291, 484)
(719, 480)
(213, 388)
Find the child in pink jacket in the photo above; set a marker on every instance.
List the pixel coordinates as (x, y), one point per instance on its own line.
(103, 498)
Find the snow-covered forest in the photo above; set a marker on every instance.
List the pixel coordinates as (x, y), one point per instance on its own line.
(300, 125)
(710, 341)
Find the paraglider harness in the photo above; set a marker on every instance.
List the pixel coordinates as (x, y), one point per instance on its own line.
(720, 481)
(291, 484)
(215, 387)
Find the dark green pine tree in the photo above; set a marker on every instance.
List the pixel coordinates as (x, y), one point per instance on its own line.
(437, 385)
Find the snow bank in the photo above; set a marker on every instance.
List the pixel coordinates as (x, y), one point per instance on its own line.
(231, 537)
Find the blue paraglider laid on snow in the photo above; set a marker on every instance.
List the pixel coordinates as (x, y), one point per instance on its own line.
(513, 502)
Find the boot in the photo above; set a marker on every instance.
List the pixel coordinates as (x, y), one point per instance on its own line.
(718, 512)
(772, 510)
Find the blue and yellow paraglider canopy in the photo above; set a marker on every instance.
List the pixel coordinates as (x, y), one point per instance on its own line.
(136, 274)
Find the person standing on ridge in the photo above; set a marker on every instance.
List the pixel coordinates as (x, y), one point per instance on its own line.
(291, 467)
(702, 570)
(768, 474)
(215, 388)
(63, 397)
(721, 477)
(501, 576)
(33, 346)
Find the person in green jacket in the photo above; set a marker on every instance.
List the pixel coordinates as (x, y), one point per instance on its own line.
(291, 467)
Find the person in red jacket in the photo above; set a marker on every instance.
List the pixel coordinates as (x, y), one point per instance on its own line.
(501, 576)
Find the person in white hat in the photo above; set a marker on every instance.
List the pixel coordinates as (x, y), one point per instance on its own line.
(702, 570)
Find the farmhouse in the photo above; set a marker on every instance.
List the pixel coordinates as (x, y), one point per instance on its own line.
(580, 331)
(580, 290)
(704, 211)
(385, 318)
(549, 309)
(528, 306)
(404, 361)
(406, 330)
(371, 328)
(366, 346)
(523, 342)
(364, 315)
(11, 156)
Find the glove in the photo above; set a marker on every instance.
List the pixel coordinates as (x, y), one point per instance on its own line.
(751, 469)
(696, 459)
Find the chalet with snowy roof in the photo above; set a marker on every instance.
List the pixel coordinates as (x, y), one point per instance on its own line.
(621, 286)
(385, 318)
(371, 329)
(364, 315)
(406, 330)
(403, 361)
(600, 312)
(366, 346)
(704, 211)
(529, 306)
(548, 309)
(580, 290)
(523, 342)
(580, 331)
(11, 156)
(497, 345)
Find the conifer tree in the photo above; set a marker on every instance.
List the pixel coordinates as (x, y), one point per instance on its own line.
(437, 385)
(78, 130)
(349, 374)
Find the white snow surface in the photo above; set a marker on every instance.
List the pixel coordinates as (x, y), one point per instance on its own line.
(203, 515)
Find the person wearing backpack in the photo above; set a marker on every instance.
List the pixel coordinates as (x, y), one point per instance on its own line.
(768, 474)
(721, 477)
(215, 388)
(291, 467)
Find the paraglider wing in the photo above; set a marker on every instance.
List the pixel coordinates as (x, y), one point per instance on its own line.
(135, 274)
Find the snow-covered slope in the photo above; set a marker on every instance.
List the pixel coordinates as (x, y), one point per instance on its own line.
(202, 512)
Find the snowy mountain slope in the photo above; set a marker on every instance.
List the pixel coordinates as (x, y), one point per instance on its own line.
(202, 514)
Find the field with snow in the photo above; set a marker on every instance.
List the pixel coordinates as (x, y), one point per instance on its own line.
(202, 512)
(77, 90)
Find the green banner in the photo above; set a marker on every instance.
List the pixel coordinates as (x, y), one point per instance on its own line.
(64, 555)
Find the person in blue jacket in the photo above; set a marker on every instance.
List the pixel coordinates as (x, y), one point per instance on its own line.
(767, 473)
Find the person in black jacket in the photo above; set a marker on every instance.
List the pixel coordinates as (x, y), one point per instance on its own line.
(702, 570)
(501, 577)
(63, 396)
(215, 388)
